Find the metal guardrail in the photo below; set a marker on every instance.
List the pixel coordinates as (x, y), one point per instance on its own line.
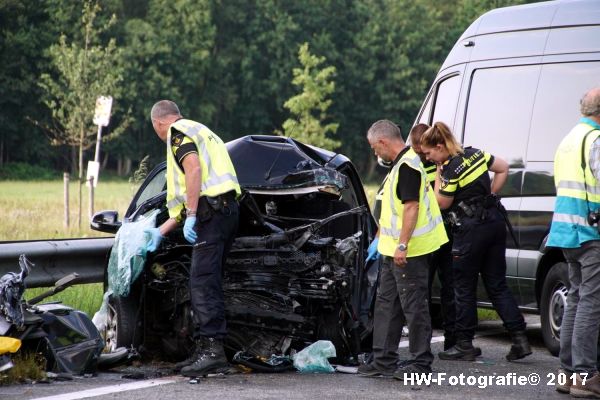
(54, 259)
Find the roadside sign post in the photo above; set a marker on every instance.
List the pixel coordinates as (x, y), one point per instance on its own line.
(101, 118)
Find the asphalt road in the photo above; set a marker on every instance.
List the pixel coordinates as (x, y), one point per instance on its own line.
(490, 377)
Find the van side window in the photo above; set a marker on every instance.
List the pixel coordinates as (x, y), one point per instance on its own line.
(426, 113)
(446, 99)
(498, 116)
(445, 95)
(555, 113)
(556, 109)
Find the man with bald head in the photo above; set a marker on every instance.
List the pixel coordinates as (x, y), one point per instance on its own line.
(575, 230)
(202, 189)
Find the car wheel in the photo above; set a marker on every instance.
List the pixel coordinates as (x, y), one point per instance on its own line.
(124, 325)
(552, 305)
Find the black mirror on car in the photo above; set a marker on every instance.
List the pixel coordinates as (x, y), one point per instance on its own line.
(106, 221)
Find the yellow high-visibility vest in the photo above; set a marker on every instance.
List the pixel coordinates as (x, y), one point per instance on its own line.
(379, 199)
(430, 172)
(429, 233)
(218, 173)
(570, 227)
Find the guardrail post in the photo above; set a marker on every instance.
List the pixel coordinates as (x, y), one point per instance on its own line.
(66, 194)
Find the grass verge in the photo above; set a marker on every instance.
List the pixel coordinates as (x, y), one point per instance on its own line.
(27, 367)
(35, 210)
(86, 298)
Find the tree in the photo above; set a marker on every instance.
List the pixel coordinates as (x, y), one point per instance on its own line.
(167, 49)
(309, 108)
(24, 31)
(84, 71)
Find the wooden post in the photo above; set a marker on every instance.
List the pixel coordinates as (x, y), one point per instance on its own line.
(66, 198)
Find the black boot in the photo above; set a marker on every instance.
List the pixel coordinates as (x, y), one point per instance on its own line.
(463, 350)
(450, 342)
(210, 358)
(198, 346)
(520, 347)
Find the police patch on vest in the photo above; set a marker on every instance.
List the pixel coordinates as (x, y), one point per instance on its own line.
(176, 140)
(444, 182)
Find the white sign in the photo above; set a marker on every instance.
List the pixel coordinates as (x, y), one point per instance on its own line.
(93, 170)
(102, 113)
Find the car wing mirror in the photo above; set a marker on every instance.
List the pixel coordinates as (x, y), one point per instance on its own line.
(106, 221)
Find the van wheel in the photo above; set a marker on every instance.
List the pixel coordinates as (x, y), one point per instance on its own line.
(552, 305)
(124, 325)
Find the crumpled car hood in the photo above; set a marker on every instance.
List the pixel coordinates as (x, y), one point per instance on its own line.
(276, 163)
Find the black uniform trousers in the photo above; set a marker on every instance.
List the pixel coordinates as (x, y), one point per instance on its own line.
(216, 231)
(441, 262)
(479, 248)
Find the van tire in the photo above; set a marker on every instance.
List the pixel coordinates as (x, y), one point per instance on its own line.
(124, 328)
(552, 303)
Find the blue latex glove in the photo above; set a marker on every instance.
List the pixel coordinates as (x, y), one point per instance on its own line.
(154, 239)
(372, 253)
(188, 230)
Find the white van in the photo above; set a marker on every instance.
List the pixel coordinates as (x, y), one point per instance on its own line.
(511, 86)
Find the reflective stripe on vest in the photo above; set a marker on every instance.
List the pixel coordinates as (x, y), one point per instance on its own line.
(379, 198)
(473, 169)
(430, 171)
(429, 233)
(570, 226)
(218, 173)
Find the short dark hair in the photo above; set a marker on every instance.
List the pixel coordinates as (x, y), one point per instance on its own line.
(416, 132)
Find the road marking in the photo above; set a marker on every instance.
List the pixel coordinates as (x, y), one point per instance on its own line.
(110, 389)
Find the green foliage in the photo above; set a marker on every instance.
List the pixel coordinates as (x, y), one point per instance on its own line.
(86, 69)
(140, 174)
(309, 108)
(26, 172)
(227, 63)
(27, 367)
(23, 37)
(86, 298)
(166, 55)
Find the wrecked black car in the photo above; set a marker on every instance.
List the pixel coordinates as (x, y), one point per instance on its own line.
(295, 273)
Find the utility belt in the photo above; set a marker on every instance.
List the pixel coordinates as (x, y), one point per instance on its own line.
(472, 209)
(477, 209)
(222, 203)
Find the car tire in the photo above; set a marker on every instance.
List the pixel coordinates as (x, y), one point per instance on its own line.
(124, 328)
(552, 305)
